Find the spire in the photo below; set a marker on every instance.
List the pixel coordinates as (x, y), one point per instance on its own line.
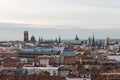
(76, 38)
(93, 41)
(107, 40)
(90, 40)
(56, 40)
(59, 39)
(41, 40)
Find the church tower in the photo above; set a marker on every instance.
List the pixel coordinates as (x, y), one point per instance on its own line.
(39, 40)
(26, 36)
(77, 41)
(56, 40)
(59, 39)
(93, 40)
(90, 41)
(76, 38)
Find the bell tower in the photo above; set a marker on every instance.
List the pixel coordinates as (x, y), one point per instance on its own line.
(26, 36)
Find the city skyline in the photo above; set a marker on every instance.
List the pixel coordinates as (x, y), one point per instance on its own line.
(15, 32)
(59, 40)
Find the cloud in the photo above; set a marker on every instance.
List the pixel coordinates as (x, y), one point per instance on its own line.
(80, 13)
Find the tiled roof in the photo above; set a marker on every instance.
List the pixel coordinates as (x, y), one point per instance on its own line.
(39, 53)
(9, 62)
(109, 61)
(41, 76)
(8, 54)
(87, 58)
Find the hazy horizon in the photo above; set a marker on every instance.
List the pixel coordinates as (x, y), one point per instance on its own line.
(10, 31)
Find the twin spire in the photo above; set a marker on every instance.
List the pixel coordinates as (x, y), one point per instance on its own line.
(93, 40)
(58, 40)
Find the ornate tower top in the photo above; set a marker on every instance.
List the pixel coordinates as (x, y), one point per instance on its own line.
(93, 40)
(59, 39)
(76, 38)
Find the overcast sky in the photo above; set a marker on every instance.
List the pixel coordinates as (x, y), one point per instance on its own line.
(79, 13)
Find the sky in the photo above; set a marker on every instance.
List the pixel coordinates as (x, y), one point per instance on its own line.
(65, 14)
(81, 13)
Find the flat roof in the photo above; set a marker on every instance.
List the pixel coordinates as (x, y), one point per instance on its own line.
(69, 53)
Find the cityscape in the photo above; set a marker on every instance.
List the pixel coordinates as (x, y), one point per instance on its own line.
(57, 59)
(59, 40)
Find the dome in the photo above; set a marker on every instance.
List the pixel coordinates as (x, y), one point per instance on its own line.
(33, 38)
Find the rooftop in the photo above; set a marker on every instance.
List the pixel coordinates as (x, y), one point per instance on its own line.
(37, 50)
(69, 53)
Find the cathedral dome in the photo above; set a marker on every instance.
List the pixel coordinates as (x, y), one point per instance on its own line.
(33, 38)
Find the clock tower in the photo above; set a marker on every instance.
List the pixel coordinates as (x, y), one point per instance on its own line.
(25, 36)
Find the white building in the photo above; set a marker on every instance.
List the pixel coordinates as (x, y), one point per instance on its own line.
(51, 70)
(78, 78)
(114, 57)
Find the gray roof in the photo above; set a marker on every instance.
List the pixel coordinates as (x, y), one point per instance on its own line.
(68, 53)
(37, 50)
